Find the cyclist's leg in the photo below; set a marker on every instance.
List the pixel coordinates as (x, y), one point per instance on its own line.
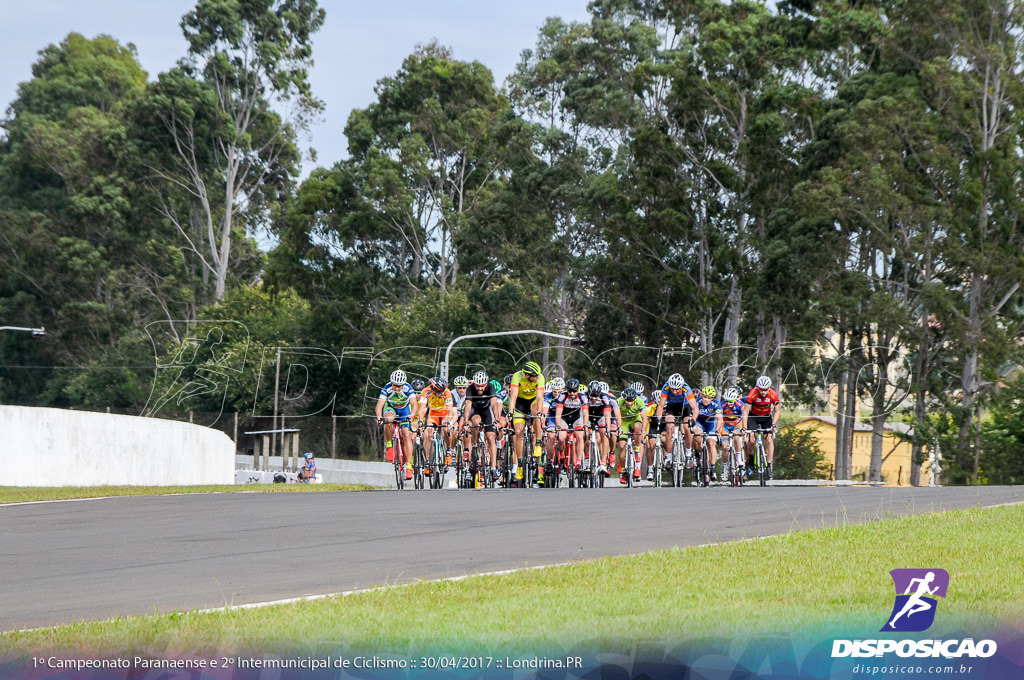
(518, 425)
(389, 426)
(536, 410)
(602, 440)
(668, 429)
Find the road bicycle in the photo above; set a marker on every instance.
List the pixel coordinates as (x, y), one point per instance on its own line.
(680, 461)
(437, 459)
(630, 463)
(398, 451)
(760, 457)
(591, 461)
(733, 461)
(563, 465)
(529, 464)
(658, 459)
(419, 462)
(701, 454)
(480, 467)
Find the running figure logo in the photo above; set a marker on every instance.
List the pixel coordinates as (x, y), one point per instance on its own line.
(916, 591)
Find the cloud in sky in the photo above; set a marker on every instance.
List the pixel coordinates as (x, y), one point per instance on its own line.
(360, 43)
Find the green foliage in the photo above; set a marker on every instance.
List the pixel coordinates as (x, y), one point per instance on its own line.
(696, 177)
(798, 455)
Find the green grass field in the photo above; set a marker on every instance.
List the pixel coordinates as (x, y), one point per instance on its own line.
(802, 584)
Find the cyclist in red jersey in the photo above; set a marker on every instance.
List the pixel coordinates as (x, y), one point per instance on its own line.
(761, 412)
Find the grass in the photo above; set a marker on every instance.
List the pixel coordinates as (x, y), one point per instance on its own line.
(25, 494)
(801, 584)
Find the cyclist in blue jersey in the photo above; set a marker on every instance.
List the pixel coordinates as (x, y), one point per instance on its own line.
(675, 404)
(307, 473)
(709, 426)
(397, 405)
(732, 419)
(555, 388)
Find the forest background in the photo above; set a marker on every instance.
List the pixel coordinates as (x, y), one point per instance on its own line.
(828, 191)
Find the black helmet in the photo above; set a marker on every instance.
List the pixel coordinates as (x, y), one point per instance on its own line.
(629, 394)
(508, 379)
(594, 387)
(438, 384)
(572, 385)
(418, 384)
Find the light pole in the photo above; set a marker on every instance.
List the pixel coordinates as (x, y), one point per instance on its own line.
(447, 352)
(36, 332)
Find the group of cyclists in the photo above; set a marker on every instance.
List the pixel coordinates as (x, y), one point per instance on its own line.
(531, 407)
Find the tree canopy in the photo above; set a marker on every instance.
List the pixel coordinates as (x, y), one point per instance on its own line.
(824, 191)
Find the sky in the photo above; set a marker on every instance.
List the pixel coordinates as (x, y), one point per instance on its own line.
(361, 42)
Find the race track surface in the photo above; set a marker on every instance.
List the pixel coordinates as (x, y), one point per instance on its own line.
(67, 561)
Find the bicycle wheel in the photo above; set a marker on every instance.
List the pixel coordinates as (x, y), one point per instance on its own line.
(762, 472)
(399, 464)
(438, 465)
(678, 463)
(629, 463)
(418, 463)
(657, 463)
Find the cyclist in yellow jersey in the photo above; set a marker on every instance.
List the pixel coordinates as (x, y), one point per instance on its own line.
(526, 397)
(652, 413)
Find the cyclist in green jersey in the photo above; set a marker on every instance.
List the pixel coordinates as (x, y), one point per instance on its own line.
(633, 408)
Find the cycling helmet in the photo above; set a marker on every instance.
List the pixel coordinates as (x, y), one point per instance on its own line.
(676, 382)
(572, 385)
(418, 384)
(307, 455)
(629, 394)
(508, 379)
(710, 392)
(531, 368)
(438, 385)
(480, 378)
(583, 389)
(732, 394)
(594, 387)
(764, 382)
(398, 378)
(557, 385)
(463, 381)
(638, 386)
(605, 386)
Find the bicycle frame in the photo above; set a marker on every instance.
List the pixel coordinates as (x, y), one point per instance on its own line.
(760, 456)
(734, 460)
(657, 458)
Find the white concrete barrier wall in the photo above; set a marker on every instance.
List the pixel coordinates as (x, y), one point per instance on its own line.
(57, 447)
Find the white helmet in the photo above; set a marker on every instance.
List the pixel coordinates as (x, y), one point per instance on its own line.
(399, 378)
(605, 386)
(638, 386)
(764, 382)
(557, 384)
(480, 378)
(732, 394)
(676, 382)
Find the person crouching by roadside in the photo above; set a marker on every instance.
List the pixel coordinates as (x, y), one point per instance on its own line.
(307, 473)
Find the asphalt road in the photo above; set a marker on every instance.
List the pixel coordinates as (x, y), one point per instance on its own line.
(83, 560)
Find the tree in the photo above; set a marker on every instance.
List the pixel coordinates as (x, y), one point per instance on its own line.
(78, 252)
(233, 152)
